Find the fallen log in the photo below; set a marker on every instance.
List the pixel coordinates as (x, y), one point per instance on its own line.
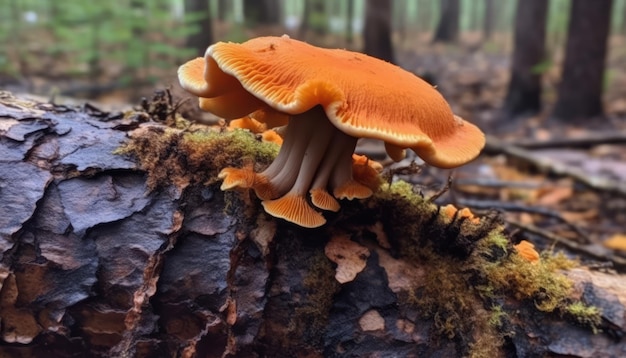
(116, 241)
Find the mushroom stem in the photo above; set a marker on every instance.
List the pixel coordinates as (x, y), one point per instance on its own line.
(343, 184)
(315, 154)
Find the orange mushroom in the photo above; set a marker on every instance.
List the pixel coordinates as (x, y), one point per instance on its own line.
(451, 211)
(366, 171)
(256, 127)
(527, 251)
(328, 98)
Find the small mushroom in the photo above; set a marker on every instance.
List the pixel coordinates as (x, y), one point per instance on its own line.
(328, 99)
(527, 251)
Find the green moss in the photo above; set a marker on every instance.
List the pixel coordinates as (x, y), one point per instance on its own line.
(539, 281)
(181, 157)
(497, 316)
(471, 268)
(584, 314)
(321, 286)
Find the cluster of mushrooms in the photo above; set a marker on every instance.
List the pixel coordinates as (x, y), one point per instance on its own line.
(327, 99)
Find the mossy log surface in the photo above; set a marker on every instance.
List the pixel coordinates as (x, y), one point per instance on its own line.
(101, 257)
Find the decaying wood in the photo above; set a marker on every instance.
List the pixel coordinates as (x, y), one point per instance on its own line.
(583, 141)
(591, 251)
(92, 263)
(548, 166)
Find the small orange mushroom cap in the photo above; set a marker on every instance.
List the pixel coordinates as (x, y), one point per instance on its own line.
(361, 95)
(527, 250)
(451, 211)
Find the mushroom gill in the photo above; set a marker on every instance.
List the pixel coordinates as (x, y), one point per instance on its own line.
(315, 156)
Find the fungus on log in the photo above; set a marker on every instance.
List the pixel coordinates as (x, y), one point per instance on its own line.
(328, 99)
(141, 255)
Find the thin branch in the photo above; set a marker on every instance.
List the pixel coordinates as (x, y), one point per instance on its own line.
(515, 207)
(441, 191)
(495, 146)
(618, 262)
(589, 140)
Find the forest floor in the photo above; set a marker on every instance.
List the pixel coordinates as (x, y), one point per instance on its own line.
(557, 184)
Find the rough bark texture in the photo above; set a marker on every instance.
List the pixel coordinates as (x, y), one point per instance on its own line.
(524, 92)
(448, 27)
(580, 90)
(93, 263)
(377, 31)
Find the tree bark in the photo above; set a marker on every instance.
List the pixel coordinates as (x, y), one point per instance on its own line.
(580, 89)
(377, 31)
(524, 91)
(203, 37)
(448, 27)
(96, 261)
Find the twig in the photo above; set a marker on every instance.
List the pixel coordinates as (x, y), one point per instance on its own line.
(495, 183)
(495, 146)
(586, 141)
(411, 169)
(441, 191)
(514, 207)
(619, 263)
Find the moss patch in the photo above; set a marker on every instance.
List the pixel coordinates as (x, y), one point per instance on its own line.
(581, 313)
(473, 268)
(321, 287)
(185, 157)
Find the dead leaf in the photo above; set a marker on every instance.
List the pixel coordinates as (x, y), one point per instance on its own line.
(526, 218)
(372, 321)
(381, 236)
(543, 134)
(349, 256)
(553, 195)
(264, 233)
(580, 216)
(616, 242)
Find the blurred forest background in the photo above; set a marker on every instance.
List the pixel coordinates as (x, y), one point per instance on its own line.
(545, 79)
(118, 51)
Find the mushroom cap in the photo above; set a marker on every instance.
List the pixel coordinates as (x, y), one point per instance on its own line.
(361, 95)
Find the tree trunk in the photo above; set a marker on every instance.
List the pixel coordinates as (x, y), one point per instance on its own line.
(377, 31)
(350, 22)
(488, 20)
(224, 7)
(99, 259)
(623, 27)
(448, 27)
(524, 92)
(580, 89)
(399, 20)
(262, 12)
(203, 37)
(313, 18)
